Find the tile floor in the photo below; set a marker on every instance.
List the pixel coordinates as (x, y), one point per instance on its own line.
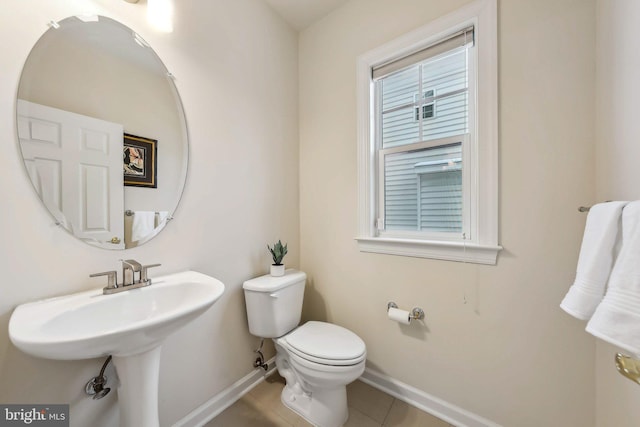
(368, 407)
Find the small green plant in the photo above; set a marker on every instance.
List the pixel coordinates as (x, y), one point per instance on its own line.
(278, 252)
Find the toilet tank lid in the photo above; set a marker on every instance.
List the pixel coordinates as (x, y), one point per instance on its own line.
(270, 283)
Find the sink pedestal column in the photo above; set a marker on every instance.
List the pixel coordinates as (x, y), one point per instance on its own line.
(138, 390)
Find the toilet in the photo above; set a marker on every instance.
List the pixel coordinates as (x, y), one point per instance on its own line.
(317, 359)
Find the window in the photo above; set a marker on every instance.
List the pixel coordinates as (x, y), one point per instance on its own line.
(428, 140)
(428, 104)
(420, 155)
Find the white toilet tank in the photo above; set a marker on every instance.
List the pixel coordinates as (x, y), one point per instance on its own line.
(274, 304)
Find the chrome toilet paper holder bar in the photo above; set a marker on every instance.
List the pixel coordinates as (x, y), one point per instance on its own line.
(416, 314)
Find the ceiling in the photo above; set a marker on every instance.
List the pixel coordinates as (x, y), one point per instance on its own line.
(302, 13)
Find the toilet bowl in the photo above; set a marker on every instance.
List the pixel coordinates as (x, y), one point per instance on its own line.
(317, 359)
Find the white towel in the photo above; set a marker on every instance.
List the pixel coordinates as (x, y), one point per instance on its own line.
(142, 225)
(617, 318)
(595, 260)
(161, 218)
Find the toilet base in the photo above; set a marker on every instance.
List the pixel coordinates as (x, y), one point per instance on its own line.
(323, 408)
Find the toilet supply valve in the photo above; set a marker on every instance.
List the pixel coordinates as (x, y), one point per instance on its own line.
(259, 362)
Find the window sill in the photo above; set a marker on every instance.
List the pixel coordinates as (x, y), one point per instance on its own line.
(449, 251)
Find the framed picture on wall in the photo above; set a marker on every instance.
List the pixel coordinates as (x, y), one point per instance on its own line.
(140, 161)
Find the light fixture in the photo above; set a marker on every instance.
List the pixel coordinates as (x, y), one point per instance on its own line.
(159, 14)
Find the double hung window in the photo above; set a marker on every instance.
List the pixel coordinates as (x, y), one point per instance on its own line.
(420, 138)
(428, 141)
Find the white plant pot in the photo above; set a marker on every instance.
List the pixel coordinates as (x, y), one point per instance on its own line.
(277, 270)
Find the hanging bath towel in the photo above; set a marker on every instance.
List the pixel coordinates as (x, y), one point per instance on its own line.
(617, 318)
(595, 261)
(143, 224)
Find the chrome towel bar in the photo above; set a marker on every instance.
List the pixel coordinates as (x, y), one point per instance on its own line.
(129, 212)
(586, 208)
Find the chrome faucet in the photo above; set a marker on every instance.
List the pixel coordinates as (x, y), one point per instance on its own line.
(134, 267)
(129, 269)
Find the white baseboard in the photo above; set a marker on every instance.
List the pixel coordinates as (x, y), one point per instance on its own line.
(424, 401)
(411, 395)
(221, 401)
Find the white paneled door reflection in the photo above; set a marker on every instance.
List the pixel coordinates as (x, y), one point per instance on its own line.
(75, 165)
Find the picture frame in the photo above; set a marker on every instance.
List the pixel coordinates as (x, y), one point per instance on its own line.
(140, 161)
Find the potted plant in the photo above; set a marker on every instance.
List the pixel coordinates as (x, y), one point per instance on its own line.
(277, 253)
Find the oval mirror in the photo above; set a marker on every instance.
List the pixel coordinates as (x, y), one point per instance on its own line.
(102, 132)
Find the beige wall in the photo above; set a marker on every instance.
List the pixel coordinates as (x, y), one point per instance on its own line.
(509, 354)
(617, 173)
(236, 69)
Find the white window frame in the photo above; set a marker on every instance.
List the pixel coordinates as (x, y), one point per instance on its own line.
(480, 163)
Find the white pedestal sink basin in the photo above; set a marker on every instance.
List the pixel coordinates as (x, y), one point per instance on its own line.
(129, 325)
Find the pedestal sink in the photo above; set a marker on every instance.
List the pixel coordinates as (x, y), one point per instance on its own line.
(129, 325)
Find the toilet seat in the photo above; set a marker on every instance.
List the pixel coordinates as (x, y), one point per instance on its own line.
(325, 344)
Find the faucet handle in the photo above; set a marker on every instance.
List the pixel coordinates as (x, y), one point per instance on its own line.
(143, 272)
(111, 278)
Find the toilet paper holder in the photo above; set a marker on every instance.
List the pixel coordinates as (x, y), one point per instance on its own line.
(416, 314)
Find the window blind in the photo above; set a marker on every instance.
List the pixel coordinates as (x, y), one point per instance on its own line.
(456, 40)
